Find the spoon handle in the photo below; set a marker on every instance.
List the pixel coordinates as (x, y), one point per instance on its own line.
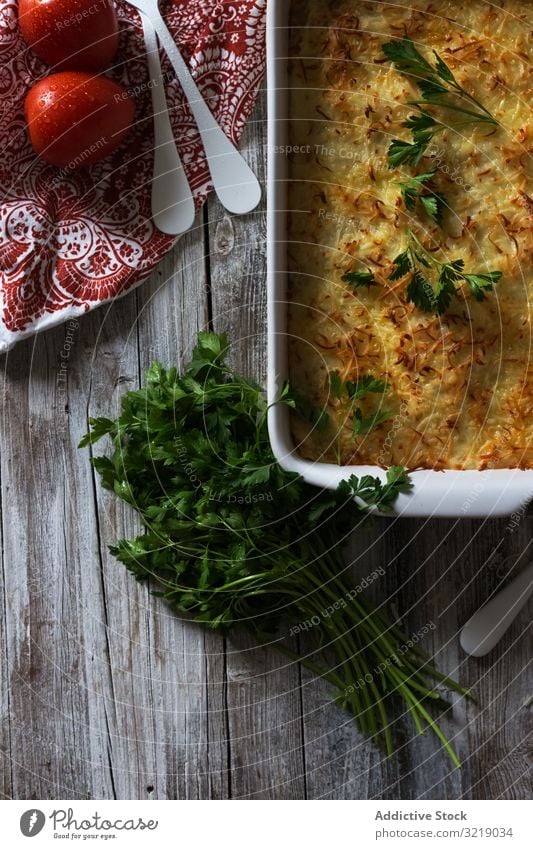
(235, 183)
(489, 624)
(172, 201)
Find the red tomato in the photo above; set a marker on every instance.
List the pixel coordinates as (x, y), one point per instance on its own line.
(71, 34)
(75, 119)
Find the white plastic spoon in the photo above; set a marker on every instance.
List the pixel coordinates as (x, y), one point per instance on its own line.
(234, 182)
(172, 201)
(489, 624)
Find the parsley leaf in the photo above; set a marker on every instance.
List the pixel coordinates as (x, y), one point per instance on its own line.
(383, 496)
(421, 126)
(356, 390)
(364, 384)
(481, 283)
(432, 207)
(442, 69)
(420, 293)
(362, 425)
(336, 384)
(359, 278)
(404, 153)
(402, 266)
(99, 427)
(407, 58)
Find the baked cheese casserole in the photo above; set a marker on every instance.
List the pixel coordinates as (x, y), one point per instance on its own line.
(425, 389)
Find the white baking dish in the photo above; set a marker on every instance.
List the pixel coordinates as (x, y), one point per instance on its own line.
(441, 494)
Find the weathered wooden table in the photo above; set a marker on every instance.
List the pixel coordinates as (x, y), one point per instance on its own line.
(104, 693)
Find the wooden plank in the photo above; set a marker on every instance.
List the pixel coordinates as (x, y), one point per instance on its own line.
(126, 693)
(263, 697)
(428, 566)
(56, 655)
(341, 763)
(419, 586)
(158, 721)
(237, 262)
(187, 664)
(82, 668)
(499, 733)
(6, 754)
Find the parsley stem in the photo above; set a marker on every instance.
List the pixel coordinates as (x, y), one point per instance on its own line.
(354, 671)
(414, 238)
(346, 636)
(476, 117)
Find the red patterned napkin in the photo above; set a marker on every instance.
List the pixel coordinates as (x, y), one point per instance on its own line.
(70, 242)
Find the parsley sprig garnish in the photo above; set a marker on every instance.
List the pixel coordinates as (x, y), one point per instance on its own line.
(415, 191)
(357, 390)
(438, 87)
(432, 284)
(436, 83)
(235, 541)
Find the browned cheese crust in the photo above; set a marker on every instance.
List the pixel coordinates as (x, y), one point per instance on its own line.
(461, 393)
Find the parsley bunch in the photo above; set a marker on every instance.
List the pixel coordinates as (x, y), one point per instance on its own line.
(432, 284)
(233, 540)
(438, 87)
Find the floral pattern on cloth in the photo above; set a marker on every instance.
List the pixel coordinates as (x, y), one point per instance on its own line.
(72, 240)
